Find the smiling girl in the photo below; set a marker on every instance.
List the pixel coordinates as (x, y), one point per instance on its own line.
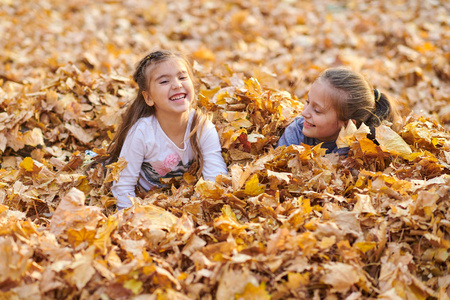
(337, 96)
(161, 134)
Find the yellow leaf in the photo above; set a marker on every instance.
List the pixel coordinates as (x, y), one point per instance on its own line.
(366, 246)
(221, 98)
(84, 186)
(27, 164)
(190, 179)
(327, 242)
(209, 189)
(116, 168)
(252, 187)
(307, 242)
(306, 204)
(107, 201)
(368, 146)
(76, 237)
(296, 280)
(252, 292)
(103, 236)
(134, 285)
(3, 208)
(204, 101)
(204, 53)
(226, 210)
(253, 86)
(209, 94)
(227, 224)
(426, 47)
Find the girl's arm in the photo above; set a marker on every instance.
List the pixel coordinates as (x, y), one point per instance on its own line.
(213, 163)
(133, 151)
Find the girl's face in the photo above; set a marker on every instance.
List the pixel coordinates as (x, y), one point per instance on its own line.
(171, 89)
(321, 120)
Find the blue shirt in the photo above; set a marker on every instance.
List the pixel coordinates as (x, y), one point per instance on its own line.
(293, 135)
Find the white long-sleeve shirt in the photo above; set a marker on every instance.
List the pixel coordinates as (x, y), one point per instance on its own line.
(152, 155)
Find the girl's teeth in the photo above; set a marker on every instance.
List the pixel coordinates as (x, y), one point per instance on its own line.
(177, 97)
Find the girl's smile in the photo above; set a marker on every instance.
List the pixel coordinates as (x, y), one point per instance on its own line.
(178, 97)
(307, 124)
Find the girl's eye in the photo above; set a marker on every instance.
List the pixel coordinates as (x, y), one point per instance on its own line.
(317, 111)
(163, 82)
(183, 77)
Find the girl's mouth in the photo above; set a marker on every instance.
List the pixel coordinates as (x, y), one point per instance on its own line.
(177, 97)
(309, 124)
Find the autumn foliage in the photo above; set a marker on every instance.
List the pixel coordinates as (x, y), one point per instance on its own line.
(285, 223)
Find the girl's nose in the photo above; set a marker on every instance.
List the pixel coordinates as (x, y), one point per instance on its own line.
(305, 111)
(176, 84)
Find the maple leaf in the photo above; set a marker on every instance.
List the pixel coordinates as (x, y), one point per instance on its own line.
(76, 237)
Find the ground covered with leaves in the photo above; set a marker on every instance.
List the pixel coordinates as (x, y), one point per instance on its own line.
(285, 223)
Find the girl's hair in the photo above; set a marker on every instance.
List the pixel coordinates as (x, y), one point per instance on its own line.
(139, 108)
(354, 98)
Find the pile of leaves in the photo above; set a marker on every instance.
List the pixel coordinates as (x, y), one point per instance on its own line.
(286, 222)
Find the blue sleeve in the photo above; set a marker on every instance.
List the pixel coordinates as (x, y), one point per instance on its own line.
(293, 133)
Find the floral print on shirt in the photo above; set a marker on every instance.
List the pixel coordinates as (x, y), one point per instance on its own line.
(171, 166)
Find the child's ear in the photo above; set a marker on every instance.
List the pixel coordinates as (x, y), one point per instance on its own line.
(147, 98)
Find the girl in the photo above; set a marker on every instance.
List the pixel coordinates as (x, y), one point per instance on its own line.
(337, 96)
(161, 135)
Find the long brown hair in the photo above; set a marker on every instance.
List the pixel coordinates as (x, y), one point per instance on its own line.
(354, 98)
(140, 109)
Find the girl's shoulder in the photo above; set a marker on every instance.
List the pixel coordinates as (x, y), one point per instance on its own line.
(145, 125)
(299, 121)
(296, 124)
